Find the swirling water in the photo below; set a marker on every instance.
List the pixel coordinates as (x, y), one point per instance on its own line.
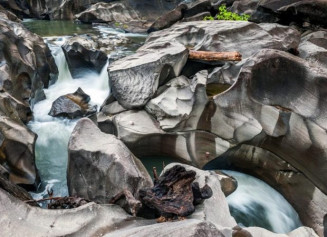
(255, 203)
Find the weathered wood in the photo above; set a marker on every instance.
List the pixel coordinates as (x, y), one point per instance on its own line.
(215, 56)
(172, 194)
(126, 200)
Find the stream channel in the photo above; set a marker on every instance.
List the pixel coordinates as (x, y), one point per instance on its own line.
(254, 203)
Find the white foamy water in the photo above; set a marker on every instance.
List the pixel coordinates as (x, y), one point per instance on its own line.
(255, 203)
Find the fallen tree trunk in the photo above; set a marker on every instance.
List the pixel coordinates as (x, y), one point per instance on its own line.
(215, 56)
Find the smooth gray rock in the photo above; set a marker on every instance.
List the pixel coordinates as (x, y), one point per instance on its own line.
(134, 79)
(73, 105)
(100, 166)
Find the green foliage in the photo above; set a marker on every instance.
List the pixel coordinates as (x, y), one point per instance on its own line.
(223, 14)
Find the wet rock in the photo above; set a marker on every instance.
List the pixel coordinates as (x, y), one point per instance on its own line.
(285, 12)
(100, 166)
(17, 153)
(134, 79)
(73, 105)
(313, 48)
(82, 56)
(27, 62)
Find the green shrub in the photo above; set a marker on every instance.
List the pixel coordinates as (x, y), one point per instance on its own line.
(223, 14)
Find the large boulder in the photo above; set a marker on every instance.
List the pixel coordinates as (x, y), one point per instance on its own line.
(27, 64)
(17, 153)
(134, 79)
(100, 166)
(285, 12)
(73, 105)
(82, 56)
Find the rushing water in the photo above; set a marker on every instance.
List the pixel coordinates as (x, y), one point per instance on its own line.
(254, 203)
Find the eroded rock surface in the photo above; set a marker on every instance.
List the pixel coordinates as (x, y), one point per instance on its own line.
(134, 79)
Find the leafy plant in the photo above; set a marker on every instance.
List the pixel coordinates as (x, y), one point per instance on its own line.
(223, 14)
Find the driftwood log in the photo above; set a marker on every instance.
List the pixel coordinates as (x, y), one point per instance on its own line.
(214, 56)
(174, 193)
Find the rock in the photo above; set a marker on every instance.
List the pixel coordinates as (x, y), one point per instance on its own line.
(17, 153)
(142, 134)
(244, 6)
(220, 36)
(134, 79)
(15, 109)
(174, 104)
(312, 11)
(28, 66)
(116, 14)
(15, 190)
(100, 166)
(82, 56)
(8, 15)
(194, 10)
(73, 105)
(168, 19)
(313, 48)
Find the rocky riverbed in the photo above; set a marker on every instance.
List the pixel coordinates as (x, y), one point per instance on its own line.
(264, 115)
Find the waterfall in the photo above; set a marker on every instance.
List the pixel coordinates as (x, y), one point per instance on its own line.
(254, 203)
